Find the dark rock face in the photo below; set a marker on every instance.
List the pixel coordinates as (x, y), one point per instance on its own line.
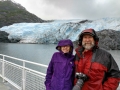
(4, 37)
(109, 39)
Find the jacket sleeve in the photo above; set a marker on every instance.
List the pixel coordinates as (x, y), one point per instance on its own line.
(113, 76)
(49, 75)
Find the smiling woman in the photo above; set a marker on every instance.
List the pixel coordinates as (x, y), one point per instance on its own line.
(60, 70)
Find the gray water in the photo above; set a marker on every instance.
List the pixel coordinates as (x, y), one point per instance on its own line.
(40, 53)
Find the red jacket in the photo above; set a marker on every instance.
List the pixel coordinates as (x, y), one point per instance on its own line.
(102, 71)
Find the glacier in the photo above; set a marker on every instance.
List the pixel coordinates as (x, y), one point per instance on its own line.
(52, 32)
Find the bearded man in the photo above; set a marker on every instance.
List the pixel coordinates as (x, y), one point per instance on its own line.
(95, 68)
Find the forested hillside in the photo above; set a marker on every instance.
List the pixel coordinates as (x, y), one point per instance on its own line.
(11, 12)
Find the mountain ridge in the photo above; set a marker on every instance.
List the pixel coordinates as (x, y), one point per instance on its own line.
(11, 12)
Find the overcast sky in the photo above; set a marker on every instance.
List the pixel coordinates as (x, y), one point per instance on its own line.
(72, 9)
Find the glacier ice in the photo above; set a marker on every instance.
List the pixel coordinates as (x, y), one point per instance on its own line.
(52, 32)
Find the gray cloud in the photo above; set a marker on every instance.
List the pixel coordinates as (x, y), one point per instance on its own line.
(72, 9)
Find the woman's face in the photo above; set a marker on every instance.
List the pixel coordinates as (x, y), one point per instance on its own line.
(65, 49)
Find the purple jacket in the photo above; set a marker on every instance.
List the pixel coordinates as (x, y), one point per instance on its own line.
(60, 72)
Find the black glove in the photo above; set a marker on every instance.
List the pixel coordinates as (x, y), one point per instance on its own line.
(78, 85)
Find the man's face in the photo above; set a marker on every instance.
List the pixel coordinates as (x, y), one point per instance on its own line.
(88, 42)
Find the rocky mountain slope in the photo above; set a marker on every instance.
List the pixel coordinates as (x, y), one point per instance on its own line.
(11, 12)
(109, 39)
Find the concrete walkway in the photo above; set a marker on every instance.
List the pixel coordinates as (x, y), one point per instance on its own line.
(2, 85)
(6, 85)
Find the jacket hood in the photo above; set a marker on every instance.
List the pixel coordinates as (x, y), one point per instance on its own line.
(64, 43)
(90, 32)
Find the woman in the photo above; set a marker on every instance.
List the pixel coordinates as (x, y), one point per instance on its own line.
(60, 72)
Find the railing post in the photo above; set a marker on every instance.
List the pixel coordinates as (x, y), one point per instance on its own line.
(23, 76)
(3, 68)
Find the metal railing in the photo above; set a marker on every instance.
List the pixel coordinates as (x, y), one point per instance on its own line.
(18, 72)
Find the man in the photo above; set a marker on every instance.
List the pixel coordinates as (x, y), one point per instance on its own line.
(95, 68)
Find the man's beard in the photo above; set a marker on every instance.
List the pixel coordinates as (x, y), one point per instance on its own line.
(88, 46)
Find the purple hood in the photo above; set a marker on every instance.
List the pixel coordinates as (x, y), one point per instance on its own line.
(64, 43)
